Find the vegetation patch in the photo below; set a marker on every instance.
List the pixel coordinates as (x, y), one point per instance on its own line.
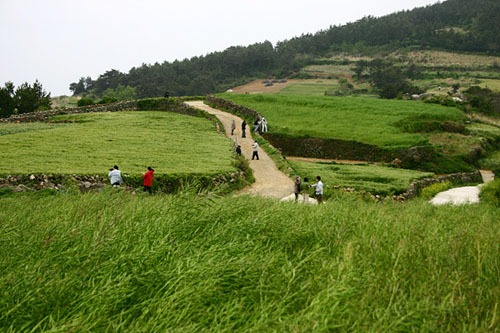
(490, 193)
(171, 143)
(431, 190)
(370, 178)
(112, 261)
(365, 120)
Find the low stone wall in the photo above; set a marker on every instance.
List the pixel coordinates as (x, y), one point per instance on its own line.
(224, 104)
(456, 178)
(44, 115)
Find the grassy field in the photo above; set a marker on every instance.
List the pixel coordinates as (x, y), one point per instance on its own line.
(112, 261)
(170, 142)
(310, 87)
(366, 120)
(367, 177)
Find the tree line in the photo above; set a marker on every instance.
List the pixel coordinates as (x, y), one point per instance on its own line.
(453, 25)
(23, 99)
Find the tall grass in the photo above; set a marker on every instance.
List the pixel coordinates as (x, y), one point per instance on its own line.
(112, 261)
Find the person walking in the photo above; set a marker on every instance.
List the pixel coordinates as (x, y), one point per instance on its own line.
(115, 176)
(263, 125)
(318, 189)
(243, 129)
(238, 150)
(306, 187)
(148, 180)
(256, 125)
(233, 126)
(255, 147)
(297, 187)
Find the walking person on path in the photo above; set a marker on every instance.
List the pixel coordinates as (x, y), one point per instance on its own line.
(263, 125)
(115, 176)
(256, 125)
(318, 191)
(297, 187)
(238, 150)
(255, 147)
(243, 129)
(148, 180)
(233, 126)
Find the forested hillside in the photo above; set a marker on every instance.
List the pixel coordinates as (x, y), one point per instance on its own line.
(454, 25)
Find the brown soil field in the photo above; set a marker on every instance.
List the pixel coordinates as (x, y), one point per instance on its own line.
(257, 87)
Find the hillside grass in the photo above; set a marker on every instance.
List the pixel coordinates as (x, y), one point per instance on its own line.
(112, 261)
(92, 143)
(371, 178)
(367, 120)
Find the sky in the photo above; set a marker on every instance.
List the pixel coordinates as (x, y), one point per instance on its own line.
(59, 41)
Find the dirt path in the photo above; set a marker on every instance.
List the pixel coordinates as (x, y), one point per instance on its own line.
(462, 195)
(269, 181)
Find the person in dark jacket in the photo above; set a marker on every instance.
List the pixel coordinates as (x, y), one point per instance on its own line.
(148, 180)
(238, 150)
(297, 187)
(243, 129)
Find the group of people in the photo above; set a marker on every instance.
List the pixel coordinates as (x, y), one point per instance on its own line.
(262, 123)
(115, 178)
(318, 189)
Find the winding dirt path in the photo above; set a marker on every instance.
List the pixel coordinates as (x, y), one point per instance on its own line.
(462, 195)
(269, 181)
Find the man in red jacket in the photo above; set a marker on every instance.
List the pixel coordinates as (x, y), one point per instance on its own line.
(148, 180)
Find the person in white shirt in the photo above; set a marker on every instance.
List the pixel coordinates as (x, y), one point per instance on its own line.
(115, 176)
(255, 147)
(263, 125)
(318, 191)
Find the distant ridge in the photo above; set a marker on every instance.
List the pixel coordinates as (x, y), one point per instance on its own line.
(453, 25)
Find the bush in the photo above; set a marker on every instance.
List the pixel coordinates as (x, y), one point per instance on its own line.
(430, 191)
(85, 101)
(490, 193)
(107, 100)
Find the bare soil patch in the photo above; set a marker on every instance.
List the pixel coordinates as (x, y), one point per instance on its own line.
(257, 87)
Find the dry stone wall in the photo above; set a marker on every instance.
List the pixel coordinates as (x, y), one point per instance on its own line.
(45, 115)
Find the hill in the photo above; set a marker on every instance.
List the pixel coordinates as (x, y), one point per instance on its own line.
(454, 25)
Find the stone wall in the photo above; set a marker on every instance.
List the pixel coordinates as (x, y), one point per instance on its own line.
(229, 106)
(45, 115)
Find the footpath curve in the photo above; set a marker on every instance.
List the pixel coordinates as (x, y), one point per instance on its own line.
(462, 195)
(269, 181)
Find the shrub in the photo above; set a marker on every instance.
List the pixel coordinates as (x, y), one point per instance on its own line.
(430, 191)
(85, 101)
(490, 193)
(107, 100)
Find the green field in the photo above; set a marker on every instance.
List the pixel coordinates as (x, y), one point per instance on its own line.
(170, 142)
(113, 261)
(310, 87)
(366, 177)
(367, 120)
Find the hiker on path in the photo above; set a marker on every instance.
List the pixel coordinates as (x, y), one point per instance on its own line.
(255, 147)
(115, 176)
(233, 126)
(263, 125)
(148, 180)
(243, 129)
(256, 125)
(297, 187)
(238, 150)
(318, 191)
(306, 193)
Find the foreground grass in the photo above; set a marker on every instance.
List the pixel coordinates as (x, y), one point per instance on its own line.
(170, 142)
(367, 120)
(371, 178)
(117, 262)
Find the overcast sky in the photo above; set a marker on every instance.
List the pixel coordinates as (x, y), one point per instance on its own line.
(59, 41)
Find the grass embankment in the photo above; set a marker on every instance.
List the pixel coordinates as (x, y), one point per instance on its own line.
(370, 178)
(117, 262)
(169, 142)
(366, 120)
